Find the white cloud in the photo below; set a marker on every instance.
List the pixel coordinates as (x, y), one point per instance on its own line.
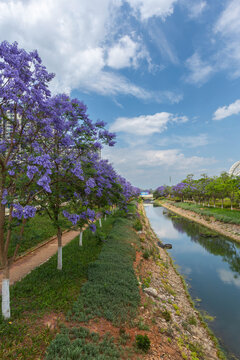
(146, 158)
(172, 158)
(228, 277)
(123, 54)
(200, 71)
(185, 141)
(76, 40)
(150, 8)
(227, 27)
(229, 21)
(195, 9)
(227, 111)
(146, 124)
(162, 43)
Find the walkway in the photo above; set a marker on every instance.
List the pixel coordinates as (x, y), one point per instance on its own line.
(36, 257)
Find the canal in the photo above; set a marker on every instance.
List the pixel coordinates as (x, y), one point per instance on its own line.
(210, 264)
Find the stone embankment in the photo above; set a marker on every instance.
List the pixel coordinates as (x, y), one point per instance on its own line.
(229, 230)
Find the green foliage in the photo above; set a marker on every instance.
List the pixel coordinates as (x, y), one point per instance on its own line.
(80, 343)
(100, 236)
(146, 254)
(166, 315)
(112, 288)
(37, 230)
(192, 320)
(143, 342)
(137, 225)
(224, 215)
(43, 291)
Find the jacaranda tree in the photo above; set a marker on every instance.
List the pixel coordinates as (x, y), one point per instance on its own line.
(25, 125)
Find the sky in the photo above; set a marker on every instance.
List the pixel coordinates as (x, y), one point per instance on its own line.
(163, 74)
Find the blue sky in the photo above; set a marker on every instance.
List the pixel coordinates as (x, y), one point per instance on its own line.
(164, 75)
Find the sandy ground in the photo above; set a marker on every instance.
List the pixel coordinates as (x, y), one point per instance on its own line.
(33, 259)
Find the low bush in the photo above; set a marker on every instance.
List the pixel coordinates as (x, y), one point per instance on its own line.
(80, 343)
(143, 342)
(137, 225)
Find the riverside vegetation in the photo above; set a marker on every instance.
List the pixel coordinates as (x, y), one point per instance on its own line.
(95, 309)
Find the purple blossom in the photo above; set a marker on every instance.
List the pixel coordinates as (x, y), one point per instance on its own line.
(90, 183)
(92, 227)
(78, 172)
(31, 171)
(4, 197)
(29, 211)
(18, 211)
(11, 172)
(74, 218)
(44, 182)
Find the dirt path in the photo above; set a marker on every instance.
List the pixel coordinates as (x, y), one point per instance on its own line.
(33, 259)
(230, 230)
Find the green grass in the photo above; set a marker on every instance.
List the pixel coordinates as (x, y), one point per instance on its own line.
(224, 215)
(46, 290)
(37, 230)
(111, 292)
(112, 288)
(80, 343)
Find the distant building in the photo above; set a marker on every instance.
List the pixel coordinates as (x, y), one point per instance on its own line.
(235, 169)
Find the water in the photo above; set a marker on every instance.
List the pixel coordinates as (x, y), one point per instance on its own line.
(211, 266)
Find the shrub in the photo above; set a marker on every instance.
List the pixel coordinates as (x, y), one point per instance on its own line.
(166, 315)
(143, 342)
(137, 225)
(146, 254)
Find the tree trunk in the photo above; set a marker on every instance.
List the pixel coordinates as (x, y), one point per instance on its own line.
(100, 222)
(214, 202)
(222, 204)
(105, 217)
(80, 237)
(6, 293)
(231, 204)
(59, 236)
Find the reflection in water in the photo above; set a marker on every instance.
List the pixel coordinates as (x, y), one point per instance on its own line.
(213, 264)
(228, 277)
(220, 246)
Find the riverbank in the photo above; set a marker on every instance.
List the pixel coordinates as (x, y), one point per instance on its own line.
(178, 328)
(131, 287)
(231, 231)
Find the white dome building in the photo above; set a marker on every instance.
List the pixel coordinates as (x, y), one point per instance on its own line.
(235, 169)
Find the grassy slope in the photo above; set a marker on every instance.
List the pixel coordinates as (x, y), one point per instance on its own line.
(111, 292)
(46, 290)
(224, 215)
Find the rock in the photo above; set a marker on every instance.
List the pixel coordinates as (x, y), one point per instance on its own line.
(164, 246)
(167, 246)
(151, 291)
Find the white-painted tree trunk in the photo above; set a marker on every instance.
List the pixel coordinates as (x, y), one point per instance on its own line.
(100, 222)
(5, 299)
(59, 266)
(80, 237)
(59, 235)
